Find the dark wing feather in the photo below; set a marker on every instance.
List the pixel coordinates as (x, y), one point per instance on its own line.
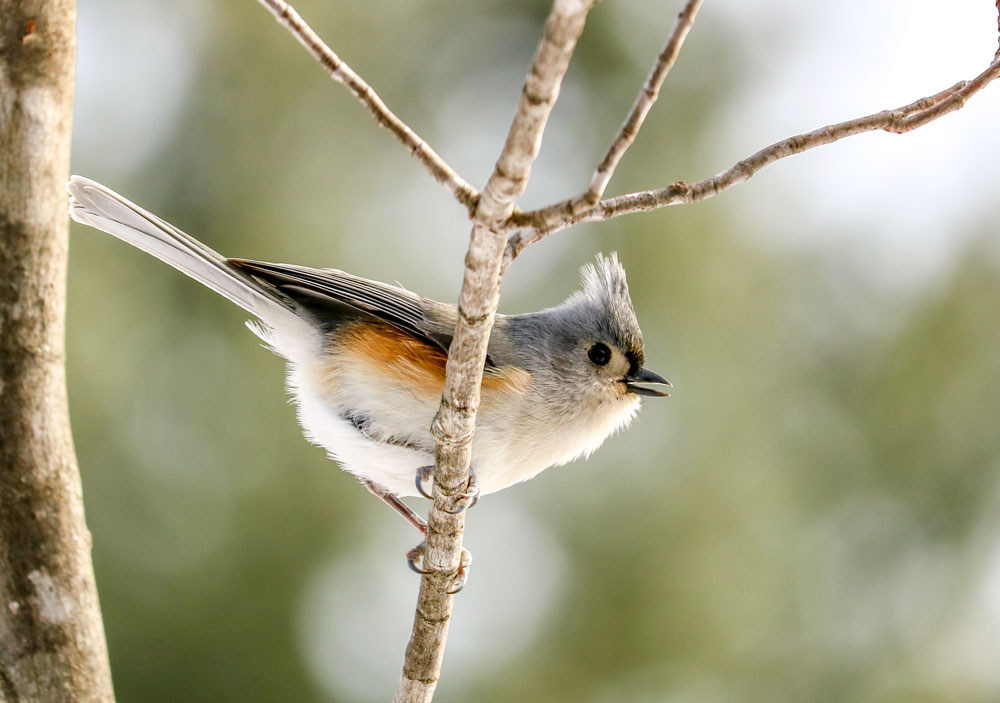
(331, 296)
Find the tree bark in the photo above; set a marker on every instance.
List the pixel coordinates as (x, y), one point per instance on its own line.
(52, 646)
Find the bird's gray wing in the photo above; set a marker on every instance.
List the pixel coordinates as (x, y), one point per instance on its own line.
(332, 296)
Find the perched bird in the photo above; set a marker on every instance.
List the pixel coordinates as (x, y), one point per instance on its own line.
(366, 360)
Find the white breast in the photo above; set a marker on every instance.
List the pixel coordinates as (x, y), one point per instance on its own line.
(514, 444)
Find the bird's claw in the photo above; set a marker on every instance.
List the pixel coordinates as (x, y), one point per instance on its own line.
(424, 473)
(469, 497)
(462, 575)
(415, 560)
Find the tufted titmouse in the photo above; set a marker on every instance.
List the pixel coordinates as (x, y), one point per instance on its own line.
(366, 360)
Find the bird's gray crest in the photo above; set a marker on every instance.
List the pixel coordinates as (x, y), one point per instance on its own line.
(605, 287)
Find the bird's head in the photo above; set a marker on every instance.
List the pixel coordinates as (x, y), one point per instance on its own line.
(593, 343)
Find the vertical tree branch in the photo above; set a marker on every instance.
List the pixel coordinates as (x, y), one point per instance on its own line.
(455, 421)
(52, 645)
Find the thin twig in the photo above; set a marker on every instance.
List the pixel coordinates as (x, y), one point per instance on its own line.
(537, 224)
(455, 421)
(342, 73)
(643, 102)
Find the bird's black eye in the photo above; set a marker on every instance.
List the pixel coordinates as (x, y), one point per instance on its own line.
(600, 354)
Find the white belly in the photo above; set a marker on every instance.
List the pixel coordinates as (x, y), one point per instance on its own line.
(517, 435)
(513, 442)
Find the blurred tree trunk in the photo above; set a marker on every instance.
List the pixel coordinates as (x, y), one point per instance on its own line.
(52, 646)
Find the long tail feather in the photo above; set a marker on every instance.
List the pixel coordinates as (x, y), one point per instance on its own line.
(93, 204)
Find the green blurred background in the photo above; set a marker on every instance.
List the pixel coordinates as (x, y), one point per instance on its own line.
(813, 516)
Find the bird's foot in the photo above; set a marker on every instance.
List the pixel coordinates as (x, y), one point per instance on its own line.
(463, 501)
(415, 560)
(469, 497)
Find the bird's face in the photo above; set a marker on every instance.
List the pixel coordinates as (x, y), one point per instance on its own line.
(617, 372)
(604, 370)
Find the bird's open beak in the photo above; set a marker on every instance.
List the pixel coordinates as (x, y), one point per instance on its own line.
(646, 377)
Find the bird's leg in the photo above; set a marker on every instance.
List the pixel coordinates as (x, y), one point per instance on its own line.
(467, 499)
(415, 555)
(393, 501)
